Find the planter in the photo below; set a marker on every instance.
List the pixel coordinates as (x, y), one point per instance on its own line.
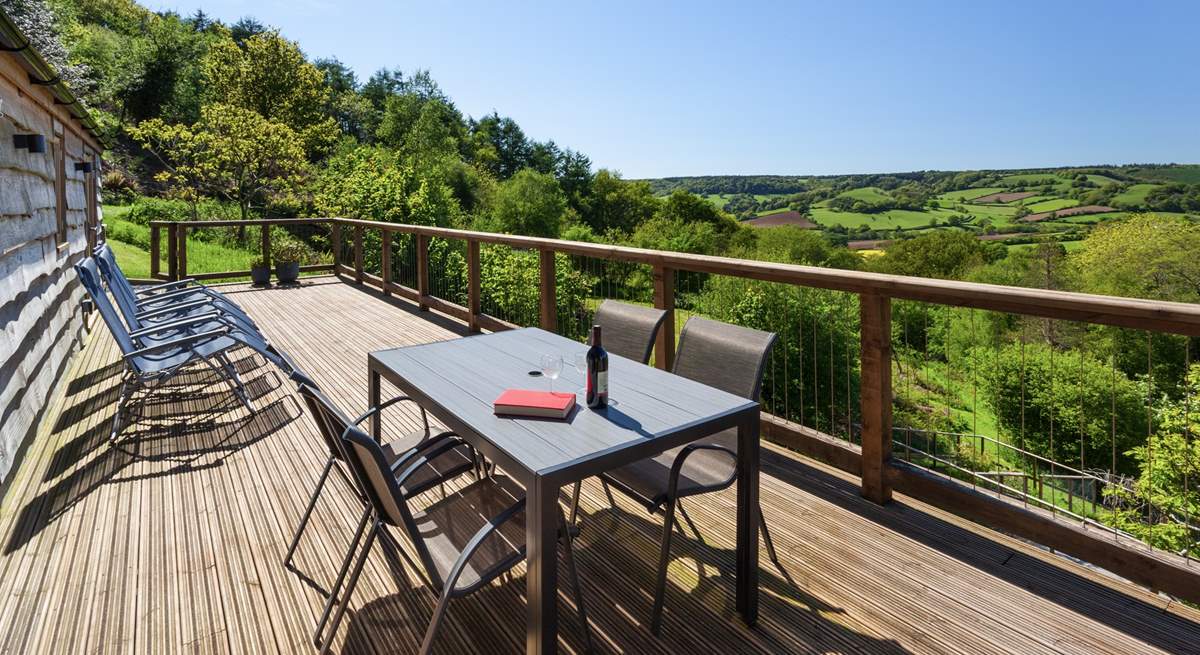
(287, 272)
(260, 275)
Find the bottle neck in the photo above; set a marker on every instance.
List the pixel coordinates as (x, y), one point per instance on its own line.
(595, 335)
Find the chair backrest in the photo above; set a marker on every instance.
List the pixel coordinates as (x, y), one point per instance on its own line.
(330, 420)
(89, 277)
(628, 330)
(725, 356)
(118, 284)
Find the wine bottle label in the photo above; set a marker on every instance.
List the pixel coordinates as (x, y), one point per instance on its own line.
(602, 382)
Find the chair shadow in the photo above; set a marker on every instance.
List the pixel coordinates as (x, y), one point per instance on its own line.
(172, 436)
(792, 620)
(1059, 584)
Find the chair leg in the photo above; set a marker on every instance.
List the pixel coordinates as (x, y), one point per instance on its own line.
(312, 502)
(350, 584)
(691, 524)
(574, 503)
(762, 525)
(121, 400)
(664, 558)
(235, 380)
(576, 587)
(612, 502)
(337, 585)
(435, 622)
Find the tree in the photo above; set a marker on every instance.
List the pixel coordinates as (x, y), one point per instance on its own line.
(269, 75)
(615, 205)
(941, 254)
(500, 145)
(531, 203)
(230, 152)
(1146, 256)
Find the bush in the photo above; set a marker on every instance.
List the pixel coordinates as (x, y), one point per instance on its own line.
(118, 188)
(288, 251)
(145, 209)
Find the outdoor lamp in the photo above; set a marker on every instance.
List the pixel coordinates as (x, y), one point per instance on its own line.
(34, 143)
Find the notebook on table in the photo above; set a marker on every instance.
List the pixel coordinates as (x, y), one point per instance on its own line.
(540, 404)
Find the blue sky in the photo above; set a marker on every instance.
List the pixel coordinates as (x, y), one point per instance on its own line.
(654, 89)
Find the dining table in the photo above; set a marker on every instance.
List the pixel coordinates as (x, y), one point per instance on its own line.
(650, 411)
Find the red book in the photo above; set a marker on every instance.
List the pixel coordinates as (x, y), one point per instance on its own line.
(542, 404)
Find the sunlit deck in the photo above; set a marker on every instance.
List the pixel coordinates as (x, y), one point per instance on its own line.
(172, 539)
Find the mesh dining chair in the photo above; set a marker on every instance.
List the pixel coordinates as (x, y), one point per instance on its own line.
(463, 541)
(724, 356)
(445, 457)
(628, 330)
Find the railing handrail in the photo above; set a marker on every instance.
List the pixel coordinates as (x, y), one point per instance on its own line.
(1156, 315)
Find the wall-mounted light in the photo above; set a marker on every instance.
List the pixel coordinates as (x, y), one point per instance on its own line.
(34, 143)
(83, 167)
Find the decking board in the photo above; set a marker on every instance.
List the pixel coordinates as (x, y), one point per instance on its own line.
(173, 541)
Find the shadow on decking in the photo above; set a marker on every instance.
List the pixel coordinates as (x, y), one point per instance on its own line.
(191, 424)
(1133, 616)
(700, 620)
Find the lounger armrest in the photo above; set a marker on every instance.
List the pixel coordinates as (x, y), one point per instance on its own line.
(182, 342)
(175, 294)
(476, 541)
(175, 325)
(155, 288)
(183, 306)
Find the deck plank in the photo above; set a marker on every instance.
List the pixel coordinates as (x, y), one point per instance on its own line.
(172, 540)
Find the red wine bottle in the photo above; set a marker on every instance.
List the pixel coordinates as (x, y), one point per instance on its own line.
(597, 373)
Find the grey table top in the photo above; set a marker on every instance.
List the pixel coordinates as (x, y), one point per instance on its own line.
(653, 411)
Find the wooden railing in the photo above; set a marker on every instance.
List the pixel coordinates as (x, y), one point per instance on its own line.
(872, 461)
(177, 234)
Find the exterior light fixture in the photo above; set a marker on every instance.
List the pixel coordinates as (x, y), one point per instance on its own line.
(34, 143)
(83, 167)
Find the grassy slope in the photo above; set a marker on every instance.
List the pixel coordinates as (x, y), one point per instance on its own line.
(131, 242)
(1186, 173)
(1134, 195)
(1052, 205)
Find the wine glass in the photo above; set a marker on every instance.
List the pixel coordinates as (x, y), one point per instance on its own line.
(580, 362)
(551, 367)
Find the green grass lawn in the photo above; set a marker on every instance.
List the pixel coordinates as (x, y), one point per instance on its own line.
(869, 194)
(132, 259)
(1134, 196)
(131, 242)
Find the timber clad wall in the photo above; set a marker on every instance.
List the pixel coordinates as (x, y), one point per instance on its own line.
(41, 321)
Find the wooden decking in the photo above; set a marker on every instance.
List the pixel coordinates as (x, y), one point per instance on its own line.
(172, 539)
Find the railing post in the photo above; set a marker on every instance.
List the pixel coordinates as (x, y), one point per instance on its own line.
(335, 246)
(181, 245)
(358, 254)
(422, 271)
(549, 303)
(172, 254)
(664, 299)
(155, 236)
(385, 261)
(876, 395)
(266, 245)
(473, 277)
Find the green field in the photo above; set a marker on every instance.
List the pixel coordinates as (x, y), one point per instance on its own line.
(868, 193)
(969, 194)
(1100, 180)
(1051, 205)
(1134, 196)
(1030, 178)
(1185, 173)
(889, 220)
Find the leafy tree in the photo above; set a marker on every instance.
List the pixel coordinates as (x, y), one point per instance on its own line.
(500, 145)
(1146, 256)
(1062, 405)
(940, 254)
(530, 203)
(245, 28)
(615, 205)
(230, 152)
(269, 75)
(374, 183)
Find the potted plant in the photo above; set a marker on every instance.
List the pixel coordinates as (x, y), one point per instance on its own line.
(260, 273)
(288, 256)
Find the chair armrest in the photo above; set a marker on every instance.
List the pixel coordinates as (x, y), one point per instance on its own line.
(476, 541)
(379, 408)
(183, 306)
(174, 325)
(413, 460)
(175, 294)
(681, 458)
(154, 288)
(182, 342)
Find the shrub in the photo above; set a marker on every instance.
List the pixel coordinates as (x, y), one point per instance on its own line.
(145, 209)
(118, 188)
(286, 252)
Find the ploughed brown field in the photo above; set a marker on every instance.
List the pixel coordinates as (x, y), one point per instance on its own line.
(1005, 197)
(782, 218)
(1069, 211)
